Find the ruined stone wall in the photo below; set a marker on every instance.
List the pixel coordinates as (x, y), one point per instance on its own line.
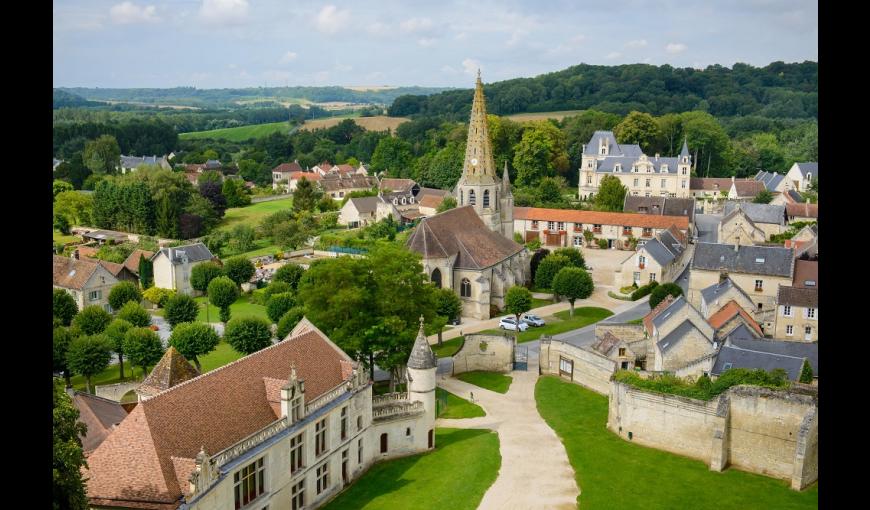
(590, 369)
(491, 353)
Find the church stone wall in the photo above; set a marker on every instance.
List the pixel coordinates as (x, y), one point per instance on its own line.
(590, 369)
(491, 353)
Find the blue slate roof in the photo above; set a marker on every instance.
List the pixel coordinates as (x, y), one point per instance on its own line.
(770, 179)
(761, 260)
(758, 213)
(710, 293)
(767, 355)
(809, 350)
(675, 336)
(675, 307)
(809, 167)
(659, 252)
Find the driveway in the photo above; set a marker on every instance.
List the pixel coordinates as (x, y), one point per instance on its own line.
(604, 264)
(707, 226)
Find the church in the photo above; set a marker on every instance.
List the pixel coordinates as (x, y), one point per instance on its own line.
(470, 249)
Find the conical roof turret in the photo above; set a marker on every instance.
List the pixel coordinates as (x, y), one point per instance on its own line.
(505, 181)
(422, 357)
(685, 151)
(479, 165)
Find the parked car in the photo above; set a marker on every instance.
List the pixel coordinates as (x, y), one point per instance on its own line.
(510, 323)
(532, 320)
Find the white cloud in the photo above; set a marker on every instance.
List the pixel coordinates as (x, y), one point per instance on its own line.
(128, 12)
(613, 54)
(674, 48)
(415, 25)
(425, 42)
(471, 66)
(637, 43)
(288, 57)
(223, 12)
(330, 19)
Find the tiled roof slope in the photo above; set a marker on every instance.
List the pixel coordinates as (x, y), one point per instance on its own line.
(100, 415)
(727, 312)
(600, 218)
(763, 260)
(804, 210)
(139, 460)
(132, 262)
(759, 213)
(70, 273)
(172, 369)
(795, 296)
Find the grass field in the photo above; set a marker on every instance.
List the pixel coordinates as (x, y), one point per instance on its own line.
(452, 407)
(603, 463)
(261, 247)
(239, 134)
(252, 215)
(448, 347)
(455, 475)
(241, 308)
(492, 381)
(520, 117)
(537, 303)
(377, 123)
(62, 239)
(583, 316)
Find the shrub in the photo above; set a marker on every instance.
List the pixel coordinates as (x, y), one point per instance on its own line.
(279, 304)
(202, 274)
(534, 244)
(288, 273)
(157, 295)
(518, 238)
(548, 268)
(122, 293)
(273, 288)
(248, 334)
(574, 255)
(92, 320)
(704, 389)
(194, 339)
(643, 291)
(239, 269)
(289, 321)
(180, 308)
(806, 373)
(602, 243)
(658, 294)
(537, 257)
(223, 292)
(135, 315)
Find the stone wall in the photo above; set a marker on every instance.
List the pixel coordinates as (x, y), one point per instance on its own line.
(770, 432)
(590, 369)
(491, 353)
(115, 391)
(627, 332)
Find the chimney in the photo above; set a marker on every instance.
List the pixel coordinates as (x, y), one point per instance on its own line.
(657, 156)
(732, 179)
(736, 243)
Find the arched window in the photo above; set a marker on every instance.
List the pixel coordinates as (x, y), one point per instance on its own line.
(436, 277)
(384, 443)
(471, 199)
(486, 198)
(465, 288)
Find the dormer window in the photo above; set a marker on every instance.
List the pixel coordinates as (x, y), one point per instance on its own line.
(411, 200)
(403, 200)
(395, 201)
(617, 168)
(664, 169)
(685, 159)
(634, 168)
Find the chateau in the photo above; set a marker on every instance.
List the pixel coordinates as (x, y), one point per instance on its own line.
(642, 175)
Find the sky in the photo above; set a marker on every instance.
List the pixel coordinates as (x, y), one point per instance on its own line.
(252, 43)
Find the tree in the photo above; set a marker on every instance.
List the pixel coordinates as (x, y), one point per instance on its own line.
(135, 315)
(535, 261)
(639, 128)
(143, 348)
(77, 207)
(289, 321)
(659, 293)
(448, 306)
(234, 191)
(61, 339)
(222, 292)
(61, 224)
(194, 339)
(248, 334)
(763, 197)
(806, 372)
(548, 268)
(708, 141)
(242, 238)
(202, 274)
(611, 194)
(393, 155)
(64, 307)
(213, 192)
(305, 196)
(103, 155)
(549, 191)
(123, 292)
(146, 272)
(167, 218)
(68, 486)
(572, 254)
(92, 320)
(115, 332)
(290, 274)
(58, 186)
(573, 283)
(276, 287)
(180, 308)
(239, 269)
(278, 305)
(446, 204)
(532, 158)
(518, 301)
(88, 355)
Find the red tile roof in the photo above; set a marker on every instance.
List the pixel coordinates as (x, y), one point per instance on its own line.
(132, 262)
(728, 312)
(288, 167)
(310, 176)
(70, 273)
(803, 210)
(806, 270)
(148, 457)
(100, 415)
(745, 187)
(648, 318)
(601, 218)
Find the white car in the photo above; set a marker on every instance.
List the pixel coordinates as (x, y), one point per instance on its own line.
(510, 323)
(532, 320)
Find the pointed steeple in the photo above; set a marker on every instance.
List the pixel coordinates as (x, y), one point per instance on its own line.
(478, 165)
(685, 151)
(422, 357)
(505, 181)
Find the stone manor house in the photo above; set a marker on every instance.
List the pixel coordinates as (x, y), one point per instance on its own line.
(288, 427)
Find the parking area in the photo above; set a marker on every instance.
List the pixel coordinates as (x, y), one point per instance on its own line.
(604, 264)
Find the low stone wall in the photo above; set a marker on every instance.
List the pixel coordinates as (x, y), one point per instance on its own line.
(491, 353)
(588, 368)
(116, 391)
(770, 432)
(627, 332)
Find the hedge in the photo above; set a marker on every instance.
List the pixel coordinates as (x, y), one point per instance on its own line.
(643, 291)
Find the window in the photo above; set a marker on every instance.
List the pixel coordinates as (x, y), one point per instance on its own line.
(596, 229)
(626, 230)
(664, 183)
(789, 330)
(344, 423)
(561, 225)
(684, 168)
(344, 462)
(647, 232)
(808, 333)
(359, 452)
(636, 277)
(589, 180)
(652, 277)
(248, 483)
(297, 496)
(603, 150)
(551, 225)
(408, 431)
(566, 367)
(622, 351)
(664, 169)
(534, 224)
(635, 182)
(617, 167)
(647, 194)
(358, 423)
(786, 311)
(759, 285)
(95, 295)
(465, 288)
(297, 451)
(578, 227)
(578, 241)
(322, 476)
(320, 438)
(811, 313)
(395, 201)
(341, 194)
(471, 198)
(486, 198)
(404, 200)
(296, 409)
(641, 261)
(648, 182)
(683, 184)
(384, 442)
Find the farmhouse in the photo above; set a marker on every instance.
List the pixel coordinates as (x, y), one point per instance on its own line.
(660, 259)
(337, 185)
(769, 219)
(802, 175)
(172, 266)
(87, 281)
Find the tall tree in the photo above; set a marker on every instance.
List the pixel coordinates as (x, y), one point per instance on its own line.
(194, 339)
(611, 194)
(448, 307)
(103, 155)
(133, 313)
(68, 485)
(639, 128)
(64, 306)
(393, 155)
(146, 272)
(143, 347)
(88, 355)
(239, 269)
(61, 338)
(223, 292)
(290, 274)
(306, 195)
(517, 301)
(92, 320)
(573, 283)
(115, 332)
(123, 292)
(167, 218)
(202, 274)
(179, 309)
(75, 206)
(248, 335)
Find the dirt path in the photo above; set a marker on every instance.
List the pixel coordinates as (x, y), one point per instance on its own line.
(535, 472)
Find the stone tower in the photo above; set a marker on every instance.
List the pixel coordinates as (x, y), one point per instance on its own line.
(421, 388)
(479, 185)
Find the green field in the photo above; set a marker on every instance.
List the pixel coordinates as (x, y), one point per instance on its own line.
(239, 134)
(537, 303)
(492, 381)
(261, 247)
(583, 316)
(62, 239)
(448, 347)
(252, 214)
(241, 308)
(452, 407)
(603, 463)
(455, 475)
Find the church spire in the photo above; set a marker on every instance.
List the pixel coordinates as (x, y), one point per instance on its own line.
(478, 151)
(505, 181)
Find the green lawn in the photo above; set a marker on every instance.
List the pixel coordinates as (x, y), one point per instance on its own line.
(603, 463)
(455, 475)
(492, 381)
(452, 407)
(583, 316)
(222, 355)
(241, 308)
(62, 239)
(448, 347)
(261, 247)
(537, 303)
(635, 321)
(239, 134)
(252, 214)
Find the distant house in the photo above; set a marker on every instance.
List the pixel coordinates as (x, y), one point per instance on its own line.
(733, 188)
(172, 266)
(130, 163)
(732, 315)
(797, 315)
(132, 261)
(802, 212)
(801, 175)
(337, 186)
(106, 237)
(660, 259)
(616, 349)
(680, 335)
(430, 199)
(358, 212)
(399, 185)
(87, 281)
(666, 206)
(717, 296)
(745, 219)
(741, 350)
(295, 177)
(283, 172)
(773, 182)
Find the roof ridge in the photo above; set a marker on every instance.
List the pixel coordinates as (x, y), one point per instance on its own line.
(737, 347)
